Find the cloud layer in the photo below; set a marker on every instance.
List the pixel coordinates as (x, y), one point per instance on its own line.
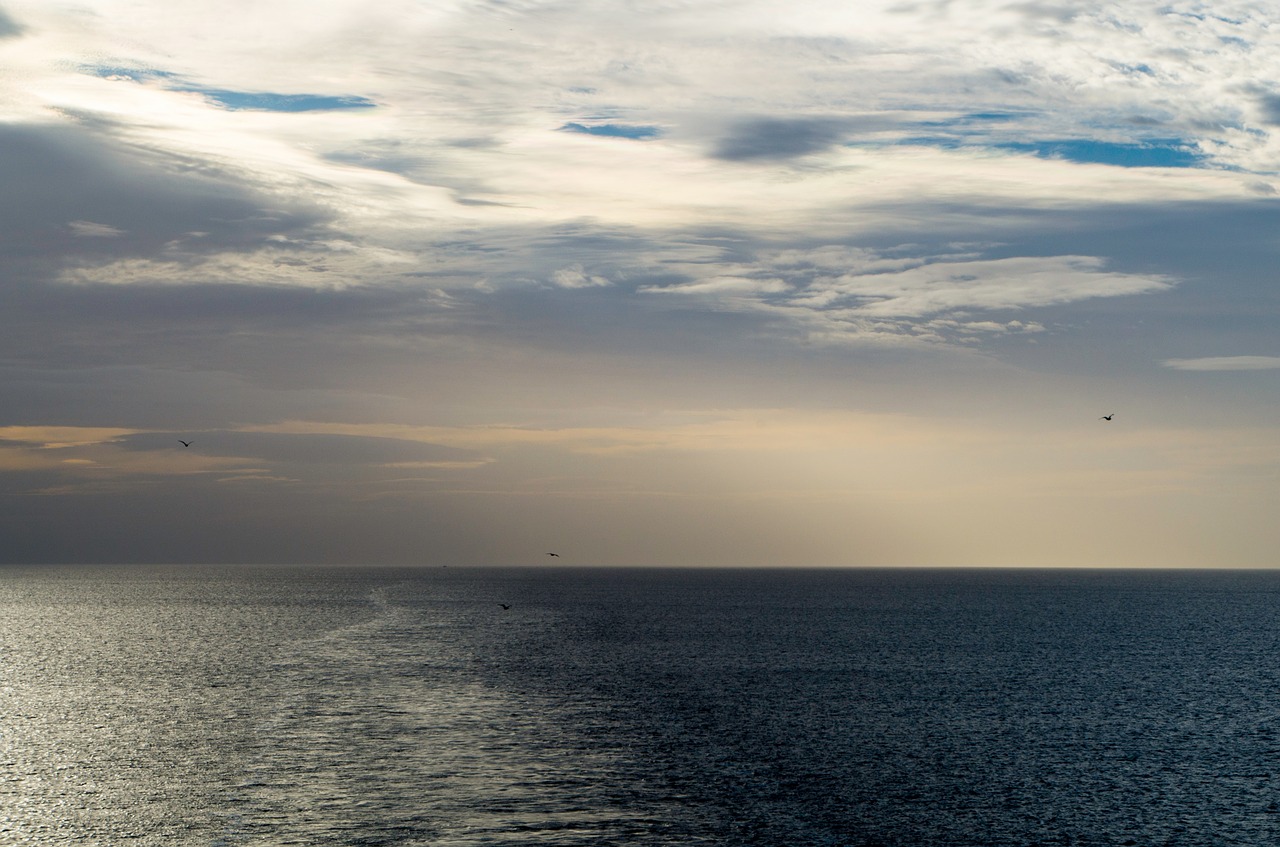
(381, 261)
(1226, 363)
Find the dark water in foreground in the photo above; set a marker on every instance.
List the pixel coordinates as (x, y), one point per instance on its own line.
(294, 706)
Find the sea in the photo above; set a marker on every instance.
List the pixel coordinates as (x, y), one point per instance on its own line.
(272, 706)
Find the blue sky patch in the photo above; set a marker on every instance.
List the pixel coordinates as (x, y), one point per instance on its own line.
(969, 123)
(1162, 153)
(992, 116)
(614, 130)
(1158, 153)
(259, 101)
(946, 142)
(266, 101)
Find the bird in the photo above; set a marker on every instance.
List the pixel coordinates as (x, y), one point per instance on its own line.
(505, 606)
(1107, 417)
(184, 443)
(557, 555)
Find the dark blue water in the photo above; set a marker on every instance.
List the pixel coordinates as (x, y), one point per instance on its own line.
(236, 706)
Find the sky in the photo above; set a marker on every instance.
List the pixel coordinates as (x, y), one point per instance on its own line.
(642, 283)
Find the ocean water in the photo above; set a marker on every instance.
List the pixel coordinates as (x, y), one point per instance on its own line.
(323, 706)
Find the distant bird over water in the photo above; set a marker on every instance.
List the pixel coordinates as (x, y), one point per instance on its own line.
(505, 606)
(557, 555)
(184, 443)
(1107, 417)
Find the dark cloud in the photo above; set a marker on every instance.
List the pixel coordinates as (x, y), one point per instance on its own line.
(78, 197)
(1270, 106)
(72, 192)
(67, 393)
(780, 138)
(9, 28)
(203, 354)
(198, 519)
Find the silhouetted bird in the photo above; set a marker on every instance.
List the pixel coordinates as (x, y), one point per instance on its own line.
(557, 555)
(184, 443)
(505, 606)
(1107, 417)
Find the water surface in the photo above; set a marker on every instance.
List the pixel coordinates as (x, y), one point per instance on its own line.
(328, 706)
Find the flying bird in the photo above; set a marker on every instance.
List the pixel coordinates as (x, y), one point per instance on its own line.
(557, 555)
(184, 443)
(1107, 417)
(505, 606)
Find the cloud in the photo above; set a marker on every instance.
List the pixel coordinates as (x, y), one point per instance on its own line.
(1013, 283)
(1269, 106)
(575, 276)
(1055, 12)
(9, 28)
(838, 292)
(729, 285)
(85, 460)
(1225, 363)
(89, 229)
(294, 448)
(53, 438)
(76, 197)
(83, 465)
(779, 138)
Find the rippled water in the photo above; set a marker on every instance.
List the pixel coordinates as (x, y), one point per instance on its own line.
(311, 706)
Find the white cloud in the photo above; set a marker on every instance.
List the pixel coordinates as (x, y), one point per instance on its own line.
(574, 276)
(1225, 363)
(89, 229)
(918, 297)
(1015, 283)
(726, 285)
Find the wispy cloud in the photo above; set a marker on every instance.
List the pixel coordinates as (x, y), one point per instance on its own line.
(995, 284)
(720, 285)
(575, 276)
(1225, 363)
(56, 437)
(89, 229)
(861, 294)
